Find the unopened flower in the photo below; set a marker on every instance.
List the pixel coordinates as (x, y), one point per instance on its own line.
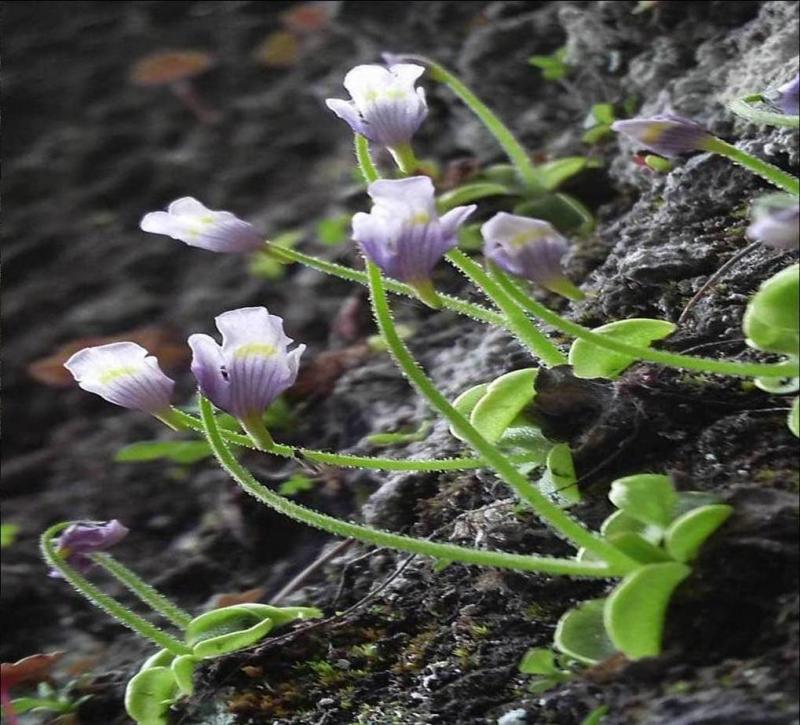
(79, 541)
(404, 235)
(386, 108)
(251, 368)
(528, 248)
(786, 98)
(125, 374)
(667, 134)
(776, 221)
(189, 221)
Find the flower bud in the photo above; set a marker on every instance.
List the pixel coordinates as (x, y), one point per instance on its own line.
(666, 134)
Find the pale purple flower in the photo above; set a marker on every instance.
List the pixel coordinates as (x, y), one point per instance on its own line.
(78, 541)
(403, 234)
(528, 248)
(125, 374)
(189, 221)
(786, 98)
(667, 134)
(776, 225)
(251, 368)
(386, 108)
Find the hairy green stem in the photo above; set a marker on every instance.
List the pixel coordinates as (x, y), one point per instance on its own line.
(519, 323)
(743, 107)
(675, 360)
(365, 163)
(456, 304)
(345, 460)
(446, 552)
(514, 149)
(547, 511)
(148, 594)
(761, 168)
(108, 604)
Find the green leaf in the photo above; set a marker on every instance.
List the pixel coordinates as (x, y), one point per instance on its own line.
(590, 361)
(183, 452)
(502, 402)
(581, 634)
(638, 548)
(21, 705)
(149, 695)
(8, 534)
(552, 174)
(595, 717)
(635, 611)
(603, 113)
(467, 193)
(563, 211)
(525, 438)
(559, 479)
(690, 500)
(466, 402)
(688, 533)
(233, 628)
(539, 661)
(647, 497)
(553, 66)
(470, 238)
(658, 163)
(334, 230)
(772, 317)
(622, 523)
(793, 421)
(778, 386)
(182, 672)
(296, 483)
(596, 133)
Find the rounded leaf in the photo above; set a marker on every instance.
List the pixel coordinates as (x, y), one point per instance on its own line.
(581, 633)
(647, 497)
(559, 480)
(689, 532)
(182, 672)
(772, 318)
(638, 548)
(590, 361)
(466, 402)
(149, 695)
(635, 611)
(503, 400)
(538, 661)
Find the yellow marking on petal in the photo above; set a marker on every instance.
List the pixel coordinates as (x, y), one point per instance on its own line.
(395, 94)
(653, 132)
(421, 218)
(255, 349)
(116, 373)
(372, 95)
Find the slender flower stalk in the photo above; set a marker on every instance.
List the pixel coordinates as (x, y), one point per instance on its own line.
(445, 552)
(513, 148)
(520, 325)
(675, 360)
(550, 513)
(344, 460)
(744, 108)
(767, 171)
(450, 302)
(101, 600)
(364, 158)
(147, 593)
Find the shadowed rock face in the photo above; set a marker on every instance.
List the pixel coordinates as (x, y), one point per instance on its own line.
(87, 154)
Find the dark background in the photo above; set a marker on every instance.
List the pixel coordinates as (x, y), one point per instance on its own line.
(86, 154)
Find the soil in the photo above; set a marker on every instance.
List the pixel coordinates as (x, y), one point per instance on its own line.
(87, 153)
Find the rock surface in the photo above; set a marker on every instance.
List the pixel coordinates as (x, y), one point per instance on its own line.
(87, 153)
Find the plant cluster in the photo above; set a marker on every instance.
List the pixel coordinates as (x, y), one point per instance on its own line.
(646, 545)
